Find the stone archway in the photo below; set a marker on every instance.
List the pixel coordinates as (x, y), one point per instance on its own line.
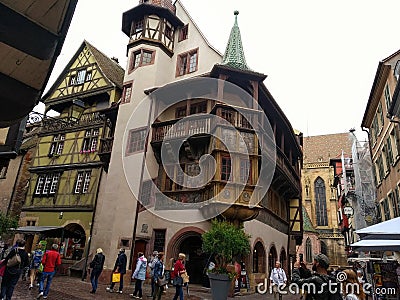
(272, 258)
(283, 260)
(189, 241)
(259, 258)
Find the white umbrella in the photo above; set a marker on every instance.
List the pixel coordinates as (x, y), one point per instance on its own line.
(385, 230)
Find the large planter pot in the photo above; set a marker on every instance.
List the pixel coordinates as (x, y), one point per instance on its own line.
(220, 285)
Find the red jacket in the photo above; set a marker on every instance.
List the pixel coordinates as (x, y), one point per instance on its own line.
(179, 268)
(50, 260)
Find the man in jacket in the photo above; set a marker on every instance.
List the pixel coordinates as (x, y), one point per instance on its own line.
(120, 267)
(97, 267)
(51, 259)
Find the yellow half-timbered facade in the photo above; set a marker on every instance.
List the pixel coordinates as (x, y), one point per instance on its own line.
(74, 148)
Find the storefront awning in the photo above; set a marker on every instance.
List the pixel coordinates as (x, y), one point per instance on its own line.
(377, 245)
(49, 231)
(387, 230)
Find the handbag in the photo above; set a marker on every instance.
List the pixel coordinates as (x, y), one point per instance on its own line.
(161, 281)
(177, 281)
(116, 277)
(2, 268)
(15, 260)
(185, 277)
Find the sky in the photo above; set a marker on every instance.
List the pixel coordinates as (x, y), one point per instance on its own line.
(320, 56)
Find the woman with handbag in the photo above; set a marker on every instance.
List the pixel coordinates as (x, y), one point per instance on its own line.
(159, 277)
(16, 261)
(177, 280)
(97, 267)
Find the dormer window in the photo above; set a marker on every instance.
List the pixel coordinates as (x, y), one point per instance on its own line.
(80, 77)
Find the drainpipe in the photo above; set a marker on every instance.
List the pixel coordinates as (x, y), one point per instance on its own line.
(84, 273)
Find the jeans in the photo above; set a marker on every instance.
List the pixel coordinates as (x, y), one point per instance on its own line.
(138, 288)
(158, 291)
(94, 278)
(179, 292)
(121, 283)
(49, 276)
(9, 282)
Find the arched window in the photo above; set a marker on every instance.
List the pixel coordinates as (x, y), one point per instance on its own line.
(309, 255)
(320, 202)
(272, 258)
(259, 258)
(324, 248)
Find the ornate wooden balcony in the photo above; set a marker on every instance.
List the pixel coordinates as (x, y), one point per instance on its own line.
(286, 169)
(60, 124)
(197, 125)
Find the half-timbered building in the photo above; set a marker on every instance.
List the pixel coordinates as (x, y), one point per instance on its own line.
(167, 57)
(73, 149)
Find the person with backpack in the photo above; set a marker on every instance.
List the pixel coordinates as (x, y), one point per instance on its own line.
(50, 260)
(152, 262)
(16, 260)
(318, 285)
(139, 275)
(97, 267)
(35, 268)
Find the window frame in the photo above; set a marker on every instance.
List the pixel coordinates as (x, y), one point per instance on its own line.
(126, 86)
(320, 202)
(80, 77)
(82, 182)
(51, 179)
(91, 138)
(225, 176)
(181, 71)
(183, 33)
(57, 145)
(141, 142)
(140, 52)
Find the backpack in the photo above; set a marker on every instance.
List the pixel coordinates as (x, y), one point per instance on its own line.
(15, 260)
(37, 258)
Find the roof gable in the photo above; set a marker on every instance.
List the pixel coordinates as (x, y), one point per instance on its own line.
(89, 71)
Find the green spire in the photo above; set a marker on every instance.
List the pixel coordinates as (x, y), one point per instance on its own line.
(234, 54)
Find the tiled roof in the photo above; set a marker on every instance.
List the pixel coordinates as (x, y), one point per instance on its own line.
(234, 54)
(307, 225)
(111, 69)
(321, 148)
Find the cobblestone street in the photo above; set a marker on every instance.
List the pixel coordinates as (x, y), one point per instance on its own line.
(71, 288)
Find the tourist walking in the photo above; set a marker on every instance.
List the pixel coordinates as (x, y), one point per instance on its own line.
(152, 262)
(139, 275)
(35, 267)
(158, 277)
(50, 260)
(14, 267)
(278, 279)
(97, 267)
(120, 267)
(179, 269)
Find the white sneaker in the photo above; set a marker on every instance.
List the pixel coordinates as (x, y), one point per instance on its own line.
(40, 295)
(109, 290)
(31, 286)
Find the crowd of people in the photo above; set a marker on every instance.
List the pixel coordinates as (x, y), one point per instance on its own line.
(42, 266)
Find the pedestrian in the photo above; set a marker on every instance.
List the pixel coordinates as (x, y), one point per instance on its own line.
(179, 269)
(50, 260)
(152, 261)
(278, 279)
(159, 277)
(120, 267)
(35, 267)
(322, 283)
(97, 267)
(14, 269)
(139, 275)
(352, 289)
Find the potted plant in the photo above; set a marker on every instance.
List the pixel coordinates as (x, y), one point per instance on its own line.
(225, 241)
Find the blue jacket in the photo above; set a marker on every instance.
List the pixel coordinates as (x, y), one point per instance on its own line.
(120, 263)
(158, 269)
(140, 271)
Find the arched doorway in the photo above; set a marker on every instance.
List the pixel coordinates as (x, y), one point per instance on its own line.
(272, 258)
(73, 247)
(259, 258)
(188, 241)
(282, 259)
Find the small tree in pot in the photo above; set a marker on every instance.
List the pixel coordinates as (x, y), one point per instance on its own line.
(225, 241)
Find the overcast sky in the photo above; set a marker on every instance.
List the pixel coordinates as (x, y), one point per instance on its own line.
(320, 56)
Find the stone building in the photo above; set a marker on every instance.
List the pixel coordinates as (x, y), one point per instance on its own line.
(161, 147)
(319, 194)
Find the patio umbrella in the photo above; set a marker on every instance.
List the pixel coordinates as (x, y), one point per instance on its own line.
(388, 230)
